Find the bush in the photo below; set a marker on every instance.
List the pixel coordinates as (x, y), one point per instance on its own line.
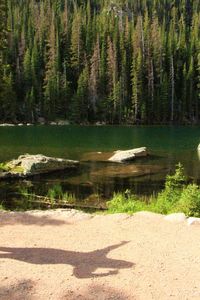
(174, 184)
(189, 202)
(176, 197)
(120, 203)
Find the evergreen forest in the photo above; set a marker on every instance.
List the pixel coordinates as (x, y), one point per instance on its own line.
(88, 61)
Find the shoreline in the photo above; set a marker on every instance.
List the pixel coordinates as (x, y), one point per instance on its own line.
(71, 212)
(97, 124)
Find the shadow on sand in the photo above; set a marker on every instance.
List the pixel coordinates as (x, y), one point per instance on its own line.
(84, 263)
(28, 219)
(22, 290)
(27, 289)
(98, 292)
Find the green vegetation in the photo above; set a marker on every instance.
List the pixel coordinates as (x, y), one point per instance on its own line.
(176, 197)
(118, 61)
(55, 197)
(1, 207)
(56, 194)
(4, 167)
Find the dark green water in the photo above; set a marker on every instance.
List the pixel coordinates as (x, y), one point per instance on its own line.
(168, 146)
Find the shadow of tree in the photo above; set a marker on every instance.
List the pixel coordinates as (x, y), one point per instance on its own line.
(98, 292)
(25, 289)
(19, 291)
(28, 219)
(84, 264)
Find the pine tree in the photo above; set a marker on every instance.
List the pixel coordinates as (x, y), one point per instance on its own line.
(141, 57)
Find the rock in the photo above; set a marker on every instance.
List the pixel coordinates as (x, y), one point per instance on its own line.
(20, 124)
(29, 165)
(63, 122)
(29, 124)
(178, 217)
(53, 123)
(100, 123)
(193, 221)
(127, 155)
(41, 120)
(6, 125)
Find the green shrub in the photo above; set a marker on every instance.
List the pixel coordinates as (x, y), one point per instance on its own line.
(189, 202)
(167, 199)
(176, 197)
(177, 180)
(120, 203)
(1, 207)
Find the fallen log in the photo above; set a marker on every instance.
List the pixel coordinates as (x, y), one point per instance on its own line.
(58, 202)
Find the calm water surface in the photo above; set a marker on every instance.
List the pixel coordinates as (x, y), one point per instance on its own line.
(168, 146)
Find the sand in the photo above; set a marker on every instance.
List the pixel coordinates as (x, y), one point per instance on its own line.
(65, 254)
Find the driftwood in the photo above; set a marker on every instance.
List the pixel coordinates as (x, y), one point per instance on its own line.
(58, 203)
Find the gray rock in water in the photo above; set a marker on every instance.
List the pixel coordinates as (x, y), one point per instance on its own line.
(6, 125)
(127, 155)
(29, 165)
(63, 122)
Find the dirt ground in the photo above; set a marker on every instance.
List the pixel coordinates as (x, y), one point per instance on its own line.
(65, 254)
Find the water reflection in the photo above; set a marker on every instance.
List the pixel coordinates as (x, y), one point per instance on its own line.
(198, 152)
(93, 146)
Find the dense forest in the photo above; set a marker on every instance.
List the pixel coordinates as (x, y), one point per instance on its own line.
(120, 61)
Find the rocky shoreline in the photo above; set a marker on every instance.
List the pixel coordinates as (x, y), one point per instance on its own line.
(74, 215)
(52, 123)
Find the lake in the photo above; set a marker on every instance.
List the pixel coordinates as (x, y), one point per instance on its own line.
(97, 179)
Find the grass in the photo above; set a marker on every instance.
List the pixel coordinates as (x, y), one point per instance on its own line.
(54, 197)
(176, 197)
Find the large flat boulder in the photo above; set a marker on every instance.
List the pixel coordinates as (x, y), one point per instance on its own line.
(127, 155)
(29, 165)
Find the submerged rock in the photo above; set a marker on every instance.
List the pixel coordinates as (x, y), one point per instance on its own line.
(124, 171)
(29, 165)
(127, 155)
